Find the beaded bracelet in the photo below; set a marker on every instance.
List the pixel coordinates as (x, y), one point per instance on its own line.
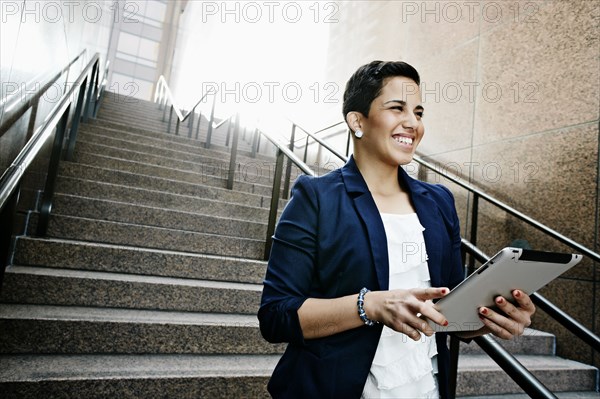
(361, 311)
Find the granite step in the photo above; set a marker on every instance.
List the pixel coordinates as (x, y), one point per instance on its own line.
(532, 342)
(79, 255)
(92, 230)
(218, 138)
(210, 176)
(136, 376)
(158, 144)
(257, 171)
(46, 286)
(479, 375)
(116, 177)
(188, 203)
(88, 330)
(92, 208)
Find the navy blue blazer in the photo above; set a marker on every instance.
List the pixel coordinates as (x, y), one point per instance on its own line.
(330, 242)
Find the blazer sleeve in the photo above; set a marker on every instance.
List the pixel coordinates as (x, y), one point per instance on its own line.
(291, 266)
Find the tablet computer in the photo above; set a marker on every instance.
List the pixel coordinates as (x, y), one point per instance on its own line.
(509, 269)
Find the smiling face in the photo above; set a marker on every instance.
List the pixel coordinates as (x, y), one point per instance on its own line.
(394, 127)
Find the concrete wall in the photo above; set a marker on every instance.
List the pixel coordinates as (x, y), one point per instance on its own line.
(511, 100)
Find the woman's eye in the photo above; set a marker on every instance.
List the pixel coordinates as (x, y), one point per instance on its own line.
(419, 114)
(399, 108)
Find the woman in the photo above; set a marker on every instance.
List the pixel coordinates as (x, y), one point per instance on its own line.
(359, 254)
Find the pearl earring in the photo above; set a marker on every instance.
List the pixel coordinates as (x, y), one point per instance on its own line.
(358, 133)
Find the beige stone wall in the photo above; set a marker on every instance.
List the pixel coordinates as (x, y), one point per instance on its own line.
(511, 95)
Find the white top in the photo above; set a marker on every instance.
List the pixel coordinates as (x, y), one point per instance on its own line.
(403, 368)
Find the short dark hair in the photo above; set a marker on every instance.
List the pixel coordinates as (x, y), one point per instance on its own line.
(368, 80)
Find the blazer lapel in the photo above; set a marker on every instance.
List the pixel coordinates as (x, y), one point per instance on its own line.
(369, 214)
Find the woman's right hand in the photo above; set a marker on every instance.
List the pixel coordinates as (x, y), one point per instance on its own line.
(403, 310)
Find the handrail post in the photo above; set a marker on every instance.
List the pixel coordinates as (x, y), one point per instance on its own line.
(75, 123)
(32, 118)
(527, 381)
(288, 170)
(170, 117)
(210, 122)
(274, 203)
(305, 149)
(177, 127)
(348, 143)
(198, 125)
(232, 159)
(453, 374)
(90, 94)
(48, 196)
(473, 236)
(254, 140)
(7, 217)
(191, 124)
(229, 125)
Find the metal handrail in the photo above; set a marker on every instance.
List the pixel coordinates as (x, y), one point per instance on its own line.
(30, 101)
(57, 121)
(163, 93)
(540, 301)
(520, 215)
(318, 131)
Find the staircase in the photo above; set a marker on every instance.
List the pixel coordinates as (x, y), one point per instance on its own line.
(150, 278)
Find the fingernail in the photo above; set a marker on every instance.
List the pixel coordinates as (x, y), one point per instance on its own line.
(517, 293)
(484, 311)
(444, 291)
(500, 300)
(445, 323)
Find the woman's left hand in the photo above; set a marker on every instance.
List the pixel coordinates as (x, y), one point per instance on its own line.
(514, 318)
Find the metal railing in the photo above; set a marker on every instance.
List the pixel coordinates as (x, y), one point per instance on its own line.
(164, 96)
(89, 94)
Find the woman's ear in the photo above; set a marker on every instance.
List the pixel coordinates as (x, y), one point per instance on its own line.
(354, 119)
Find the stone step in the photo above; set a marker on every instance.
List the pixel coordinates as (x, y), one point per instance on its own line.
(560, 395)
(480, 375)
(78, 255)
(116, 177)
(257, 171)
(91, 208)
(159, 144)
(216, 206)
(84, 229)
(88, 330)
(532, 342)
(199, 137)
(136, 376)
(218, 140)
(46, 286)
(255, 186)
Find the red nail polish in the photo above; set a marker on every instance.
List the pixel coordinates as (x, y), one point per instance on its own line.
(445, 323)
(500, 300)
(484, 311)
(443, 291)
(518, 294)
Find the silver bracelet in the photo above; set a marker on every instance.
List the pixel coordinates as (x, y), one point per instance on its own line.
(361, 310)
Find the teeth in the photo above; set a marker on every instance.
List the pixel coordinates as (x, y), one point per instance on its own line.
(404, 140)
